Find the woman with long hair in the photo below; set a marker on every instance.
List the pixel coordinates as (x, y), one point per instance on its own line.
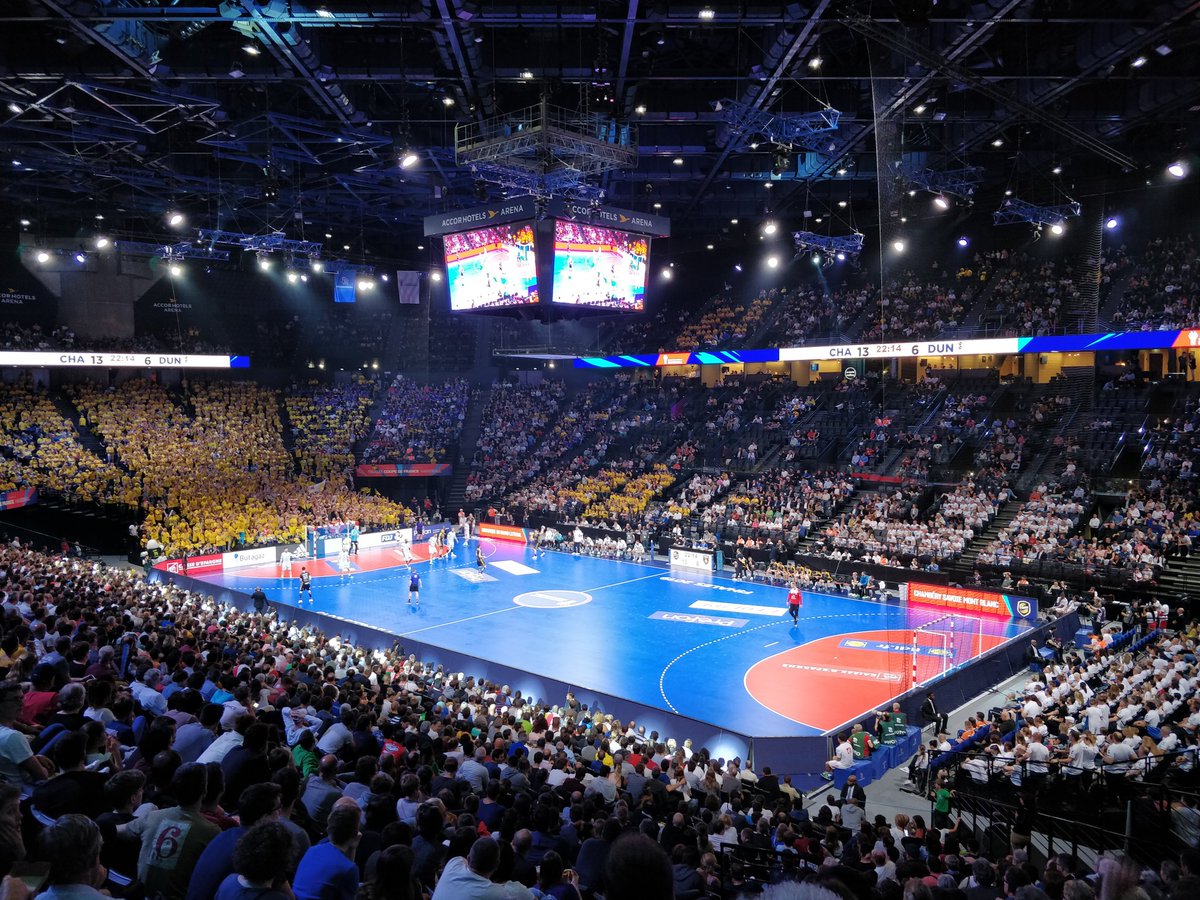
(394, 879)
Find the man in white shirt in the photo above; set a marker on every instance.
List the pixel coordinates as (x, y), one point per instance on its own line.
(843, 757)
(471, 878)
(338, 734)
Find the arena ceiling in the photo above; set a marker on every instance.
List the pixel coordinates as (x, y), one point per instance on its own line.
(268, 114)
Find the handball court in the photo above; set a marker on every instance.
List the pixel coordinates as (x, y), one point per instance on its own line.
(690, 643)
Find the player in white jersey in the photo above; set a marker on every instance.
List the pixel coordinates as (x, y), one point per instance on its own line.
(406, 553)
(285, 563)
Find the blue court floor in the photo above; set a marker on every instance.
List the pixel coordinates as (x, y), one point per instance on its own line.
(699, 645)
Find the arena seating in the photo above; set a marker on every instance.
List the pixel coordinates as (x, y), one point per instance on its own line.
(418, 423)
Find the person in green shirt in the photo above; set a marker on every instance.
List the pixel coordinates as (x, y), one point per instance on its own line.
(942, 797)
(305, 755)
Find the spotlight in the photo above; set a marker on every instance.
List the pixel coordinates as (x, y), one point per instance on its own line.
(1111, 224)
(292, 276)
(365, 284)
(815, 62)
(324, 13)
(14, 108)
(899, 245)
(251, 49)
(1057, 229)
(816, 259)
(941, 202)
(81, 257)
(769, 227)
(264, 261)
(43, 256)
(678, 160)
(841, 257)
(707, 14)
(304, 278)
(919, 108)
(640, 110)
(841, 204)
(1138, 62)
(711, 246)
(435, 275)
(316, 265)
(25, 223)
(408, 159)
(174, 218)
(383, 277)
(998, 142)
(841, 171)
(176, 270)
(772, 262)
(737, 267)
(447, 101)
(733, 221)
(963, 241)
(1177, 169)
(102, 242)
(527, 74)
(1057, 170)
(667, 274)
(657, 205)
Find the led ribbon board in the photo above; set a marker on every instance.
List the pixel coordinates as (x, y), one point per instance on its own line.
(85, 359)
(1185, 339)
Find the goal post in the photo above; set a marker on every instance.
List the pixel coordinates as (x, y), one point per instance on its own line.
(942, 645)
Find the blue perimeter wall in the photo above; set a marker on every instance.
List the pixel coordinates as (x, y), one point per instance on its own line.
(785, 756)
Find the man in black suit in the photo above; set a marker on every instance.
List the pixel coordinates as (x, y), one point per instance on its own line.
(852, 790)
(931, 715)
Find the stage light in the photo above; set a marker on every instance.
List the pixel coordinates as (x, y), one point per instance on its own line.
(81, 257)
(772, 262)
(16, 163)
(841, 171)
(640, 110)
(527, 74)
(737, 267)
(657, 205)
(769, 227)
(102, 242)
(292, 276)
(25, 223)
(998, 142)
(898, 245)
(841, 204)
(919, 108)
(678, 160)
(176, 270)
(365, 284)
(963, 241)
(667, 274)
(447, 101)
(706, 14)
(304, 278)
(14, 108)
(1057, 170)
(941, 202)
(383, 277)
(435, 276)
(43, 256)
(1111, 223)
(769, 186)
(174, 218)
(733, 221)
(317, 265)
(712, 246)
(99, 217)
(324, 13)
(816, 259)
(1177, 169)
(1008, 193)
(1057, 229)
(1138, 62)
(841, 257)
(251, 49)
(815, 62)
(264, 261)
(408, 159)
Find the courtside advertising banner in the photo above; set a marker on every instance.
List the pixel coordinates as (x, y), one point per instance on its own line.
(256, 557)
(385, 538)
(502, 532)
(971, 602)
(209, 562)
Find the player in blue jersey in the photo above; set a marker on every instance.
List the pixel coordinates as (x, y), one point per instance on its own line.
(414, 589)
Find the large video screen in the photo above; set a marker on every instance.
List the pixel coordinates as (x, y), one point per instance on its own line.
(492, 267)
(600, 267)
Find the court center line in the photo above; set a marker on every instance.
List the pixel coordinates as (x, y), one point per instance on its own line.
(494, 612)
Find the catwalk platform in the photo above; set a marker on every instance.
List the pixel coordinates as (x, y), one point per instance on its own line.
(686, 653)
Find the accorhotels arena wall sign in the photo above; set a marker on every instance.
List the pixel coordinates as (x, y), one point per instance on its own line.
(84, 359)
(1184, 339)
